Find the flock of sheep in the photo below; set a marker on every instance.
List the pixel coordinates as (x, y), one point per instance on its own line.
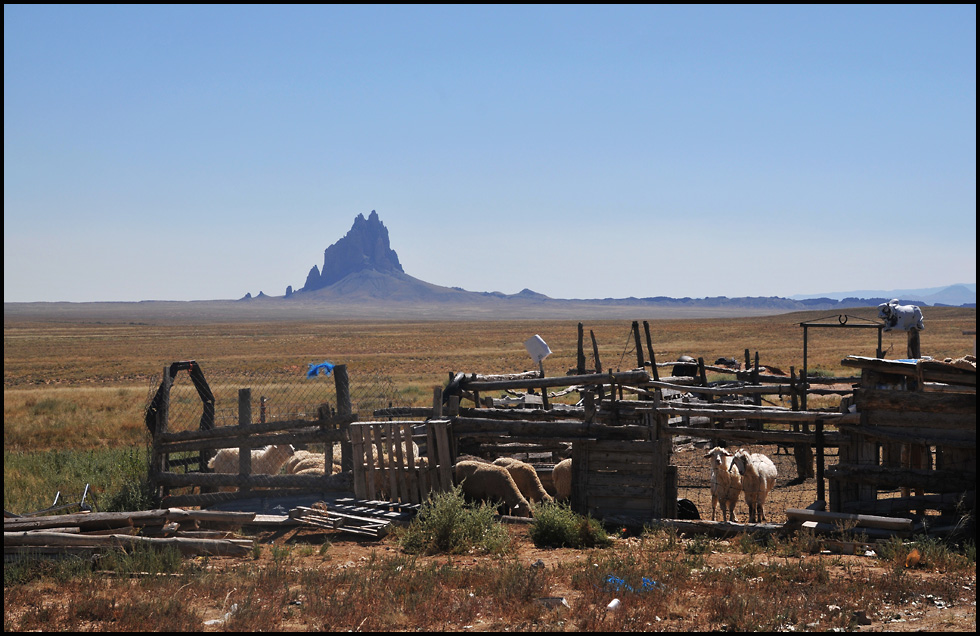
(516, 484)
(735, 474)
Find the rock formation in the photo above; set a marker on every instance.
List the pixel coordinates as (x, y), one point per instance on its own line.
(365, 247)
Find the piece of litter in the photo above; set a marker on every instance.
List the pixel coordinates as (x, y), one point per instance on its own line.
(554, 601)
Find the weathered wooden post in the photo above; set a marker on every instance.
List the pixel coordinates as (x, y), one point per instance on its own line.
(598, 364)
(345, 413)
(436, 402)
(158, 459)
(580, 359)
(639, 348)
(244, 452)
(653, 358)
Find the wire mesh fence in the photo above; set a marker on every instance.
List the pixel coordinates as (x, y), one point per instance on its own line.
(294, 391)
(694, 481)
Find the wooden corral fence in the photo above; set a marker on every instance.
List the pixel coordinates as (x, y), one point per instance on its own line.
(917, 434)
(204, 488)
(623, 480)
(388, 466)
(621, 449)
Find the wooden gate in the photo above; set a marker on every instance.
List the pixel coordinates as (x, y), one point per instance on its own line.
(624, 481)
(388, 467)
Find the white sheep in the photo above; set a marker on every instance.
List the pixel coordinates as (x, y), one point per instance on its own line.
(265, 461)
(485, 481)
(561, 477)
(758, 480)
(526, 478)
(304, 462)
(726, 483)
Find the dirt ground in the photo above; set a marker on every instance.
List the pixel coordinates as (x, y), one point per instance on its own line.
(346, 552)
(922, 614)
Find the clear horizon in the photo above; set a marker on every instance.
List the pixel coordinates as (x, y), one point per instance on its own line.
(206, 152)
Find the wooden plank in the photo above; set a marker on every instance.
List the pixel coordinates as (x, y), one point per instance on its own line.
(606, 506)
(890, 478)
(580, 477)
(617, 490)
(754, 437)
(445, 453)
(915, 435)
(187, 547)
(615, 446)
(623, 466)
(640, 459)
(564, 430)
(919, 401)
(946, 502)
(940, 421)
(865, 521)
(871, 533)
(381, 464)
(612, 480)
(388, 444)
(626, 377)
(432, 476)
(357, 450)
(766, 415)
(370, 463)
(414, 494)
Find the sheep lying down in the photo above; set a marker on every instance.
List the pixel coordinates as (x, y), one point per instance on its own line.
(489, 482)
(265, 461)
(305, 462)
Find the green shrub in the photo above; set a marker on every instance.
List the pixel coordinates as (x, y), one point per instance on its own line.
(447, 524)
(555, 525)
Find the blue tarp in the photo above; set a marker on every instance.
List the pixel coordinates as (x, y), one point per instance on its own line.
(315, 369)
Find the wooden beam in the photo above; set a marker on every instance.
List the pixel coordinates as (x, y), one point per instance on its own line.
(866, 521)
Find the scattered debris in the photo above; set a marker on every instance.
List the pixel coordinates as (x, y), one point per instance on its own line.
(321, 516)
(90, 533)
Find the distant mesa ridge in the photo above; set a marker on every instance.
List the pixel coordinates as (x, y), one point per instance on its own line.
(362, 268)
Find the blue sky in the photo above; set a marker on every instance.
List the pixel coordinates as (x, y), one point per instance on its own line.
(190, 153)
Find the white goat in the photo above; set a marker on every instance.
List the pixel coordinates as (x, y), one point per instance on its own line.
(526, 478)
(726, 483)
(265, 461)
(484, 481)
(561, 477)
(758, 480)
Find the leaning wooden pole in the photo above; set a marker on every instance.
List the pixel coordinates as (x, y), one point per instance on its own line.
(344, 410)
(653, 358)
(598, 363)
(639, 348)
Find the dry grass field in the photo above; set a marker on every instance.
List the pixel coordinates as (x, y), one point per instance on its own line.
(81, 385)
(75, 392)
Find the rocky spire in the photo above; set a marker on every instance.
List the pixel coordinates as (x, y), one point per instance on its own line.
(365, 247)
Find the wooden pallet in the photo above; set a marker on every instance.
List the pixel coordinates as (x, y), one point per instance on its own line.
(324, 517)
